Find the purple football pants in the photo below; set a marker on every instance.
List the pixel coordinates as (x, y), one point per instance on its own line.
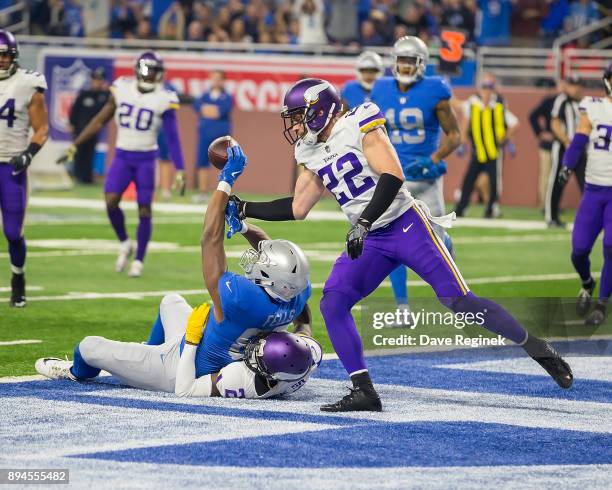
(13, 199)
(594, 215)
(132, 166)
(409, 240)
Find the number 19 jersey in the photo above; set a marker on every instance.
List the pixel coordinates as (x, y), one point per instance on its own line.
(16, 93)
(342, 166)
(139, 114)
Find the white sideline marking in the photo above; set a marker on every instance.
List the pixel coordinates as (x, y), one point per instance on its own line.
(30, 288)
(138, 295)
(99, 205)
(20, 342)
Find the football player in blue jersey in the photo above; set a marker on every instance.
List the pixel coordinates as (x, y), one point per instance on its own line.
(369, 68)
(237, 347)
(416, 107)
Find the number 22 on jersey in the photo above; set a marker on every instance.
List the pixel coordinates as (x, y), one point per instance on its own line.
(332, 178)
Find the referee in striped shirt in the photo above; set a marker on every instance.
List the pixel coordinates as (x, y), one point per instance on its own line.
(564, 119)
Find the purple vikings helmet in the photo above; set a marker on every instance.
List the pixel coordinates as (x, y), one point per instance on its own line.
(8, 44)
(149, 70)
(312, 102)
(280, 356)
(607, 80)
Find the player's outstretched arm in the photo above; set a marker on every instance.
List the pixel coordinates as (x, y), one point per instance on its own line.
(576, 148)
(448, 121)
(97, 123)
(214, 261)
(170, 129)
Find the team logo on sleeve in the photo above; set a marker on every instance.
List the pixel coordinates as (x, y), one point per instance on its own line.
(66, 83)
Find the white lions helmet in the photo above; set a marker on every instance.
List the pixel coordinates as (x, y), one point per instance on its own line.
(369, 60)
(279, 266)
(409, 50)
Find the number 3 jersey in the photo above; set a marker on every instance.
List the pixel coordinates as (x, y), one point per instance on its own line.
(15, 95)
(236, 380)
(139, 114)
(599, 163)
(412, 122)
(343, 168)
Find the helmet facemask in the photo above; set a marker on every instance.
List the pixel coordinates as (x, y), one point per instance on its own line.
(607, 80)
(149, 74)
(13, 65)
(368, 84)
(417, 63)
(253, 356)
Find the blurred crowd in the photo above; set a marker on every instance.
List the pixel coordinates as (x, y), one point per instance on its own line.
(339, 22)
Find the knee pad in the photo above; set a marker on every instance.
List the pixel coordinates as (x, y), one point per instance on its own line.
(171, 299)
(144, 211)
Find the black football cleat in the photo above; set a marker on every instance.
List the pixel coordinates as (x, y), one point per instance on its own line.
(18, 299)
(585, 298)
(547, 357)
(357, 400)
(597, 316)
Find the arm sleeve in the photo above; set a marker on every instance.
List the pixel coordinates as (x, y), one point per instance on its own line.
(186, 383)
(386, 189)
(510, 119)
(170, 128)
(574, 151)
(278, 210)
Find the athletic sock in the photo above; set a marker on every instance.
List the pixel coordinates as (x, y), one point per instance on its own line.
(117, 220)
(143, 235)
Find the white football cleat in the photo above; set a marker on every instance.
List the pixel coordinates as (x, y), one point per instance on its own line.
(136, 269)
(404, 320)
(126, 249)
(54, 368)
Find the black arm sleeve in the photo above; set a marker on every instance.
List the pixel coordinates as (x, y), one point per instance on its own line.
(279, 210)
(387, 188)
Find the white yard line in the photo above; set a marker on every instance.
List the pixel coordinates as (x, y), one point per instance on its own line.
(138, 295)
(20, 342)
(30, 288)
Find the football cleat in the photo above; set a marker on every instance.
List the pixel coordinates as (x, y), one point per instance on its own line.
(597, 316)
(126, 249)
(556, 223)
(18, 299)
(585, 297)
(358, 400)
(404, 319)
(547, 357)
(54, 368)
(136, 269)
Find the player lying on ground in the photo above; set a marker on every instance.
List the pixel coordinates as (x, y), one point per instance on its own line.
(240, 350)
(352, 156)
(142, 107)
(595, 212)
(22, 105)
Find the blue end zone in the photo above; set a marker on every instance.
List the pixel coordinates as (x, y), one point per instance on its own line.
(427, 444)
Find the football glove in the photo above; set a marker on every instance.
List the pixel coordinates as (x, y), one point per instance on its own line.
(196, 324)
(21, 162)
(511, 149)
(68, 157)
(235, 224)
(423, 168)
(240, 204)
(564, 175)
(236, 163)
(355, 238)
(179, 182)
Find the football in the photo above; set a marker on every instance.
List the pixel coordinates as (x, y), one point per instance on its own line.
(217, 150)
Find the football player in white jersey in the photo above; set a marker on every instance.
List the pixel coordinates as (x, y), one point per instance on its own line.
(594, 134)
(22, 105)
(142, 107)
(350, 154)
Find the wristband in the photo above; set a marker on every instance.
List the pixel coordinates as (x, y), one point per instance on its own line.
(33, 148)
(224, 187)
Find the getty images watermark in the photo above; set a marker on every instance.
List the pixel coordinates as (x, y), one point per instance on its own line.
(413, 320)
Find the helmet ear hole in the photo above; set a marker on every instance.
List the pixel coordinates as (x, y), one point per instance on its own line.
(265, 274)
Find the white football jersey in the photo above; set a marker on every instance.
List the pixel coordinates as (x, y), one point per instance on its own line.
(599, 162)
(139, 115)
(16, 93)
(236, 380)
(343, 168)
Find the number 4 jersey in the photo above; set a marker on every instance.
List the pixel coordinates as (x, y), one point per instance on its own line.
(599, 163)
(15, 95)
(343, 168)
(139, 114)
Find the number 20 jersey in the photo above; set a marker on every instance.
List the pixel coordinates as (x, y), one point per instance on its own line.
(139, 114)
(599, 163)
(16, 92)
(343, 168)
(412, 122)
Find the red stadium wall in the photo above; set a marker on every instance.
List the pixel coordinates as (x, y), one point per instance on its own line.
(271, 168)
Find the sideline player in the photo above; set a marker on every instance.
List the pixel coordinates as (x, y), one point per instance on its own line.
(142, 108)
(594, 132)
(369, 68)
(352, 156)
(415, 107)
(22, 105)
(196, 353)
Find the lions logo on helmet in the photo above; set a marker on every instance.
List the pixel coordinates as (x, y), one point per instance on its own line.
(149, 71)
(410, 56)
(8, 45)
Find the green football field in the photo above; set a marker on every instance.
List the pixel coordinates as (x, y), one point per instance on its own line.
(73, 290)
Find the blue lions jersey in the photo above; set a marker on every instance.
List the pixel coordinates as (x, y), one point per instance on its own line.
(412, 122)
(354, 94)
(247, 311)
